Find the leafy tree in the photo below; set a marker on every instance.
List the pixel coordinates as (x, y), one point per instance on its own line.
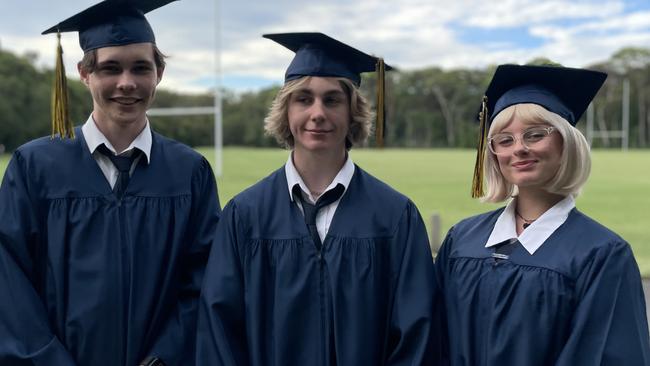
(634, 63)
(430, 107)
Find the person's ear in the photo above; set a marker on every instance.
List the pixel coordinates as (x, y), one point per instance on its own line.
(160, 71)
(83, 74)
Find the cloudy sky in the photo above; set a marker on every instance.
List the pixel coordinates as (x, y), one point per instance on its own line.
(409, 34)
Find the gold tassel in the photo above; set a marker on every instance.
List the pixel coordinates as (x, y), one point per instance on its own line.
(477, 181)
(381, 108)
(61, 124)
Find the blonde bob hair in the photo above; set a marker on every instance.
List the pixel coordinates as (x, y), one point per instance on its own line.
(575, 163)
(276, 123)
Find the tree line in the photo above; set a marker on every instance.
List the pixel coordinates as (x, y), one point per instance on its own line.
(430, 107)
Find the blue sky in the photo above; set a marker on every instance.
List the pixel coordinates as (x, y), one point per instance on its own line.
(409, 34)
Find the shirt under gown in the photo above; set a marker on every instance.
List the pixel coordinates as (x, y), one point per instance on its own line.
(270, 297)
(578, 300)
(89, 279)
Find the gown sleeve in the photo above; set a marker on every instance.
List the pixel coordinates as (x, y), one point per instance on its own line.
(25, 334)
(411, 330)
(440, 313)
(221, 338)
(176, 343)
(609, 324)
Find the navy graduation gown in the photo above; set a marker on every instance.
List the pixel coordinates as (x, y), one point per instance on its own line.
(577, 301)
(271, 298)
(86, 279)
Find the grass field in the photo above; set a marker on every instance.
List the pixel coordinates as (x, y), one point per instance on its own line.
(617, 194)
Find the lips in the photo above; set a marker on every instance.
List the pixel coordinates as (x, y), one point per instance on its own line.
(125, 100)
(524, 164)
(319, 131)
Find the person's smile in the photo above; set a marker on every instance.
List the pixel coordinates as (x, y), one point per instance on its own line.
(318, 131)
(524, 164)
(126, 101)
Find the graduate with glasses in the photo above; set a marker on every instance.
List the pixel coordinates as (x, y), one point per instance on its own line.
(319, 263)
(538, 282)
(105, 228)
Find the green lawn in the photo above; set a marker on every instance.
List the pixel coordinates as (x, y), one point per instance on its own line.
(438, 181)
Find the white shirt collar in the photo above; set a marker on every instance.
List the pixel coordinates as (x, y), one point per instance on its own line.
(536, 234)
(343, 177)
(94, 138)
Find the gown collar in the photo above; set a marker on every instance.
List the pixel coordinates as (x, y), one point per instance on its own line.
(94, 137)
(536, 234)
(343, 177)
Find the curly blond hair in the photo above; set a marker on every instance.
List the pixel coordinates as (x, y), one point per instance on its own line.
(276, 123)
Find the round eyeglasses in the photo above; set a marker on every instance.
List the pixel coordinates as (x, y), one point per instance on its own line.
(504, 143)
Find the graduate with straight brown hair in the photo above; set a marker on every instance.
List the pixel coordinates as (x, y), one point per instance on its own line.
(105, 228)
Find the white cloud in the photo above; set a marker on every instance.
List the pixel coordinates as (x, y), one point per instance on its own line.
(517, 13)
(407, 33)
(624, 22)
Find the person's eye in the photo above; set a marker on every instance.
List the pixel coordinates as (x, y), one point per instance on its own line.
(333, 101)
(504, 140)
(142, 69)
(109, 69)
(302, 99)
(534, 135)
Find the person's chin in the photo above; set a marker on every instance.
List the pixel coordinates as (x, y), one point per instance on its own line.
(129, 117)
(320, 146)
(529, 182)
(525, 179)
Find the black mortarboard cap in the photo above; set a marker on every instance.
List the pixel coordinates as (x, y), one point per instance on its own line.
(562, 90)
(320, 55)
(111, 23)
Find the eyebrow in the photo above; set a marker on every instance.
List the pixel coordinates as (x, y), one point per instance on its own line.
(115, 62)
(532, 127)
(107, 62)
(148, 62)
(327, 93)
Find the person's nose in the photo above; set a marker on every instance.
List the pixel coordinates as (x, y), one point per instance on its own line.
(126, 82)
(519, 147)
(317, 110)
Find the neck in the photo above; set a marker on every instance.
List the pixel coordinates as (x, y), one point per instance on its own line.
(318, 169)
(120, 135)
(532, 203)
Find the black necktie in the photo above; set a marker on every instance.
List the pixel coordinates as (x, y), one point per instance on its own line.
(311, 211)
(123, 165)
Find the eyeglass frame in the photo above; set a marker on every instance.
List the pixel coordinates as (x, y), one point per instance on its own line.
(519, 138)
